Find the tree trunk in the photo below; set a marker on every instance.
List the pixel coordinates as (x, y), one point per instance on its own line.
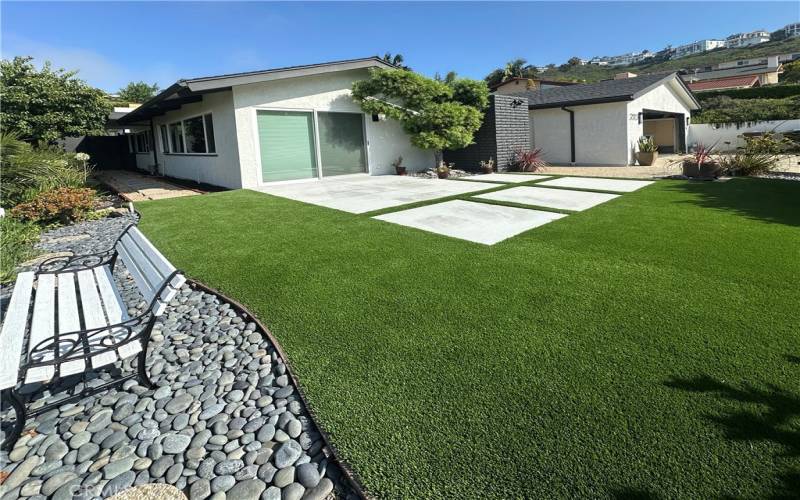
(437, 157)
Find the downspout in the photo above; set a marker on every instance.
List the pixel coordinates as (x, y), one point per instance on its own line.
(571, 133)
(153, 145)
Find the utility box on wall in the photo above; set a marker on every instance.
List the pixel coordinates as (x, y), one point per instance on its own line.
(505, 129)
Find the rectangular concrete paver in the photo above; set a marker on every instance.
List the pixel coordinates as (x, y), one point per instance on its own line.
(506, 178)
(365, 193)
(617, 185)
(563, 199)
(476, 222)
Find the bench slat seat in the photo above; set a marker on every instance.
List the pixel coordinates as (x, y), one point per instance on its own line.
(76, 320)
(12, 334)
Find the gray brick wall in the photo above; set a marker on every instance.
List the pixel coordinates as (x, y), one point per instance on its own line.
(505, 129)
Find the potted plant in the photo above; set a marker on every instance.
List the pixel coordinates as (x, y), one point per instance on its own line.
(443, 170)
(398, 166)
(648, 151)
(488, 166)
(701, 164)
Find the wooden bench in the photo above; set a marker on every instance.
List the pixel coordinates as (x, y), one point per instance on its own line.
(75, 321)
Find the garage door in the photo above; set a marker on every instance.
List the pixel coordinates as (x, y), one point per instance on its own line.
(287, 145)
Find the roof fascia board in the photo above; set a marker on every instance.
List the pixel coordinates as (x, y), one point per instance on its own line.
(583, 102)
(199, 85)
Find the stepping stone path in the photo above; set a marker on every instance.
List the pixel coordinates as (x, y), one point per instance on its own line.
(467, 220)
(597, 183)
(506, 178)
(223, 423)
(563, 199)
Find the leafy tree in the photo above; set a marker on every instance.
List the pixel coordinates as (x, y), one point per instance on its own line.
(437, 115)
(574, 61)
(47, 104)
(516, 68)
(791, 72)
(396, 60)
(138, 92)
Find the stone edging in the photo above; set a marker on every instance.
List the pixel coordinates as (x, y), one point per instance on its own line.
(348, 471)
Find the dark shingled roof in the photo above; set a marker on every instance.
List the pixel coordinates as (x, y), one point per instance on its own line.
(625, 89)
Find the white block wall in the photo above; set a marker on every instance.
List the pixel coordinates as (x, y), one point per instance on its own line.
(727, 136)
(328, 92)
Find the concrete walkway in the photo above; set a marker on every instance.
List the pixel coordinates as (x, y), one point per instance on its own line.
(135, 187)
(362, 193)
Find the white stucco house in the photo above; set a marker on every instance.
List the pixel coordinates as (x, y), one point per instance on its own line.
(601, 123)
(245, 130)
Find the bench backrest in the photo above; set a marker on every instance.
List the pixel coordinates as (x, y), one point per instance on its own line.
(149, 269)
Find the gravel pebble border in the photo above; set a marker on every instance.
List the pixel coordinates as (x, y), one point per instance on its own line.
(227, 419)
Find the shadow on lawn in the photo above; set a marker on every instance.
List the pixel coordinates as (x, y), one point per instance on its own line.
(773, 421)
(761, 199)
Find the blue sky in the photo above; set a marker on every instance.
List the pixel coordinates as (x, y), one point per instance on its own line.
(112, 43)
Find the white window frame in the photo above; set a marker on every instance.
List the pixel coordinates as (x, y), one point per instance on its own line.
(202, 117)
(135, 143)
(163, 133)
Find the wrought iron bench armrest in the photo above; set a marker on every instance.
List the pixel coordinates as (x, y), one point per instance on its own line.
(71, 263)
(85, 344)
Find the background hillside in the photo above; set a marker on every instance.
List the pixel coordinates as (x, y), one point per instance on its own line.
(591, 73)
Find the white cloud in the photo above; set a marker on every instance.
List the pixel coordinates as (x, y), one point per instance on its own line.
(93, 67)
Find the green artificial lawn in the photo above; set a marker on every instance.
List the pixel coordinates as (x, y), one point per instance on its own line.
(648, 347)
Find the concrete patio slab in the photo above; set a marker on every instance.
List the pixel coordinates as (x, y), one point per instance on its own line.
(563, 199)
(471, 221)
(134, 186)
(364, 193)
(618, 185)
(506, 178)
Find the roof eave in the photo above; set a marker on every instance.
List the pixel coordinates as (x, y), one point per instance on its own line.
(211, 83)
(581, 102)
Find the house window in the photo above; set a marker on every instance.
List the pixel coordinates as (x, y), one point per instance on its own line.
(193, 135)
(141, 142)
(212, 147)
(164, 139)
(176, 137)
(193, 128)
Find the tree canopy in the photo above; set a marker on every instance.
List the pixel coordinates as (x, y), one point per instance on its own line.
(437, 115)
(396, 59)
(517, 68)
(47, 104)
(138, 92)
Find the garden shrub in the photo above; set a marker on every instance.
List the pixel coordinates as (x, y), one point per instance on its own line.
(16, 245)
(25, 171)
(527, 161)
(766, 92)
(62, 205)
(723, 109)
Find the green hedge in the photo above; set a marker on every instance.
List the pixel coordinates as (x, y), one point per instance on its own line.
(768, 92)
(723, 109)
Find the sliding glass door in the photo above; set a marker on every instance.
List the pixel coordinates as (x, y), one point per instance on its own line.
(287, 145)
(341, 143)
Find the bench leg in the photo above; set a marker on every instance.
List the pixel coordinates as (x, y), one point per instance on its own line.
(21, 416)
(143, 378)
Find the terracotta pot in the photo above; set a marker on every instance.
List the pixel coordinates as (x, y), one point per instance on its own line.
(487, 170)
(443, 174)
(400, 170)
(708, 170)
(647, 158)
